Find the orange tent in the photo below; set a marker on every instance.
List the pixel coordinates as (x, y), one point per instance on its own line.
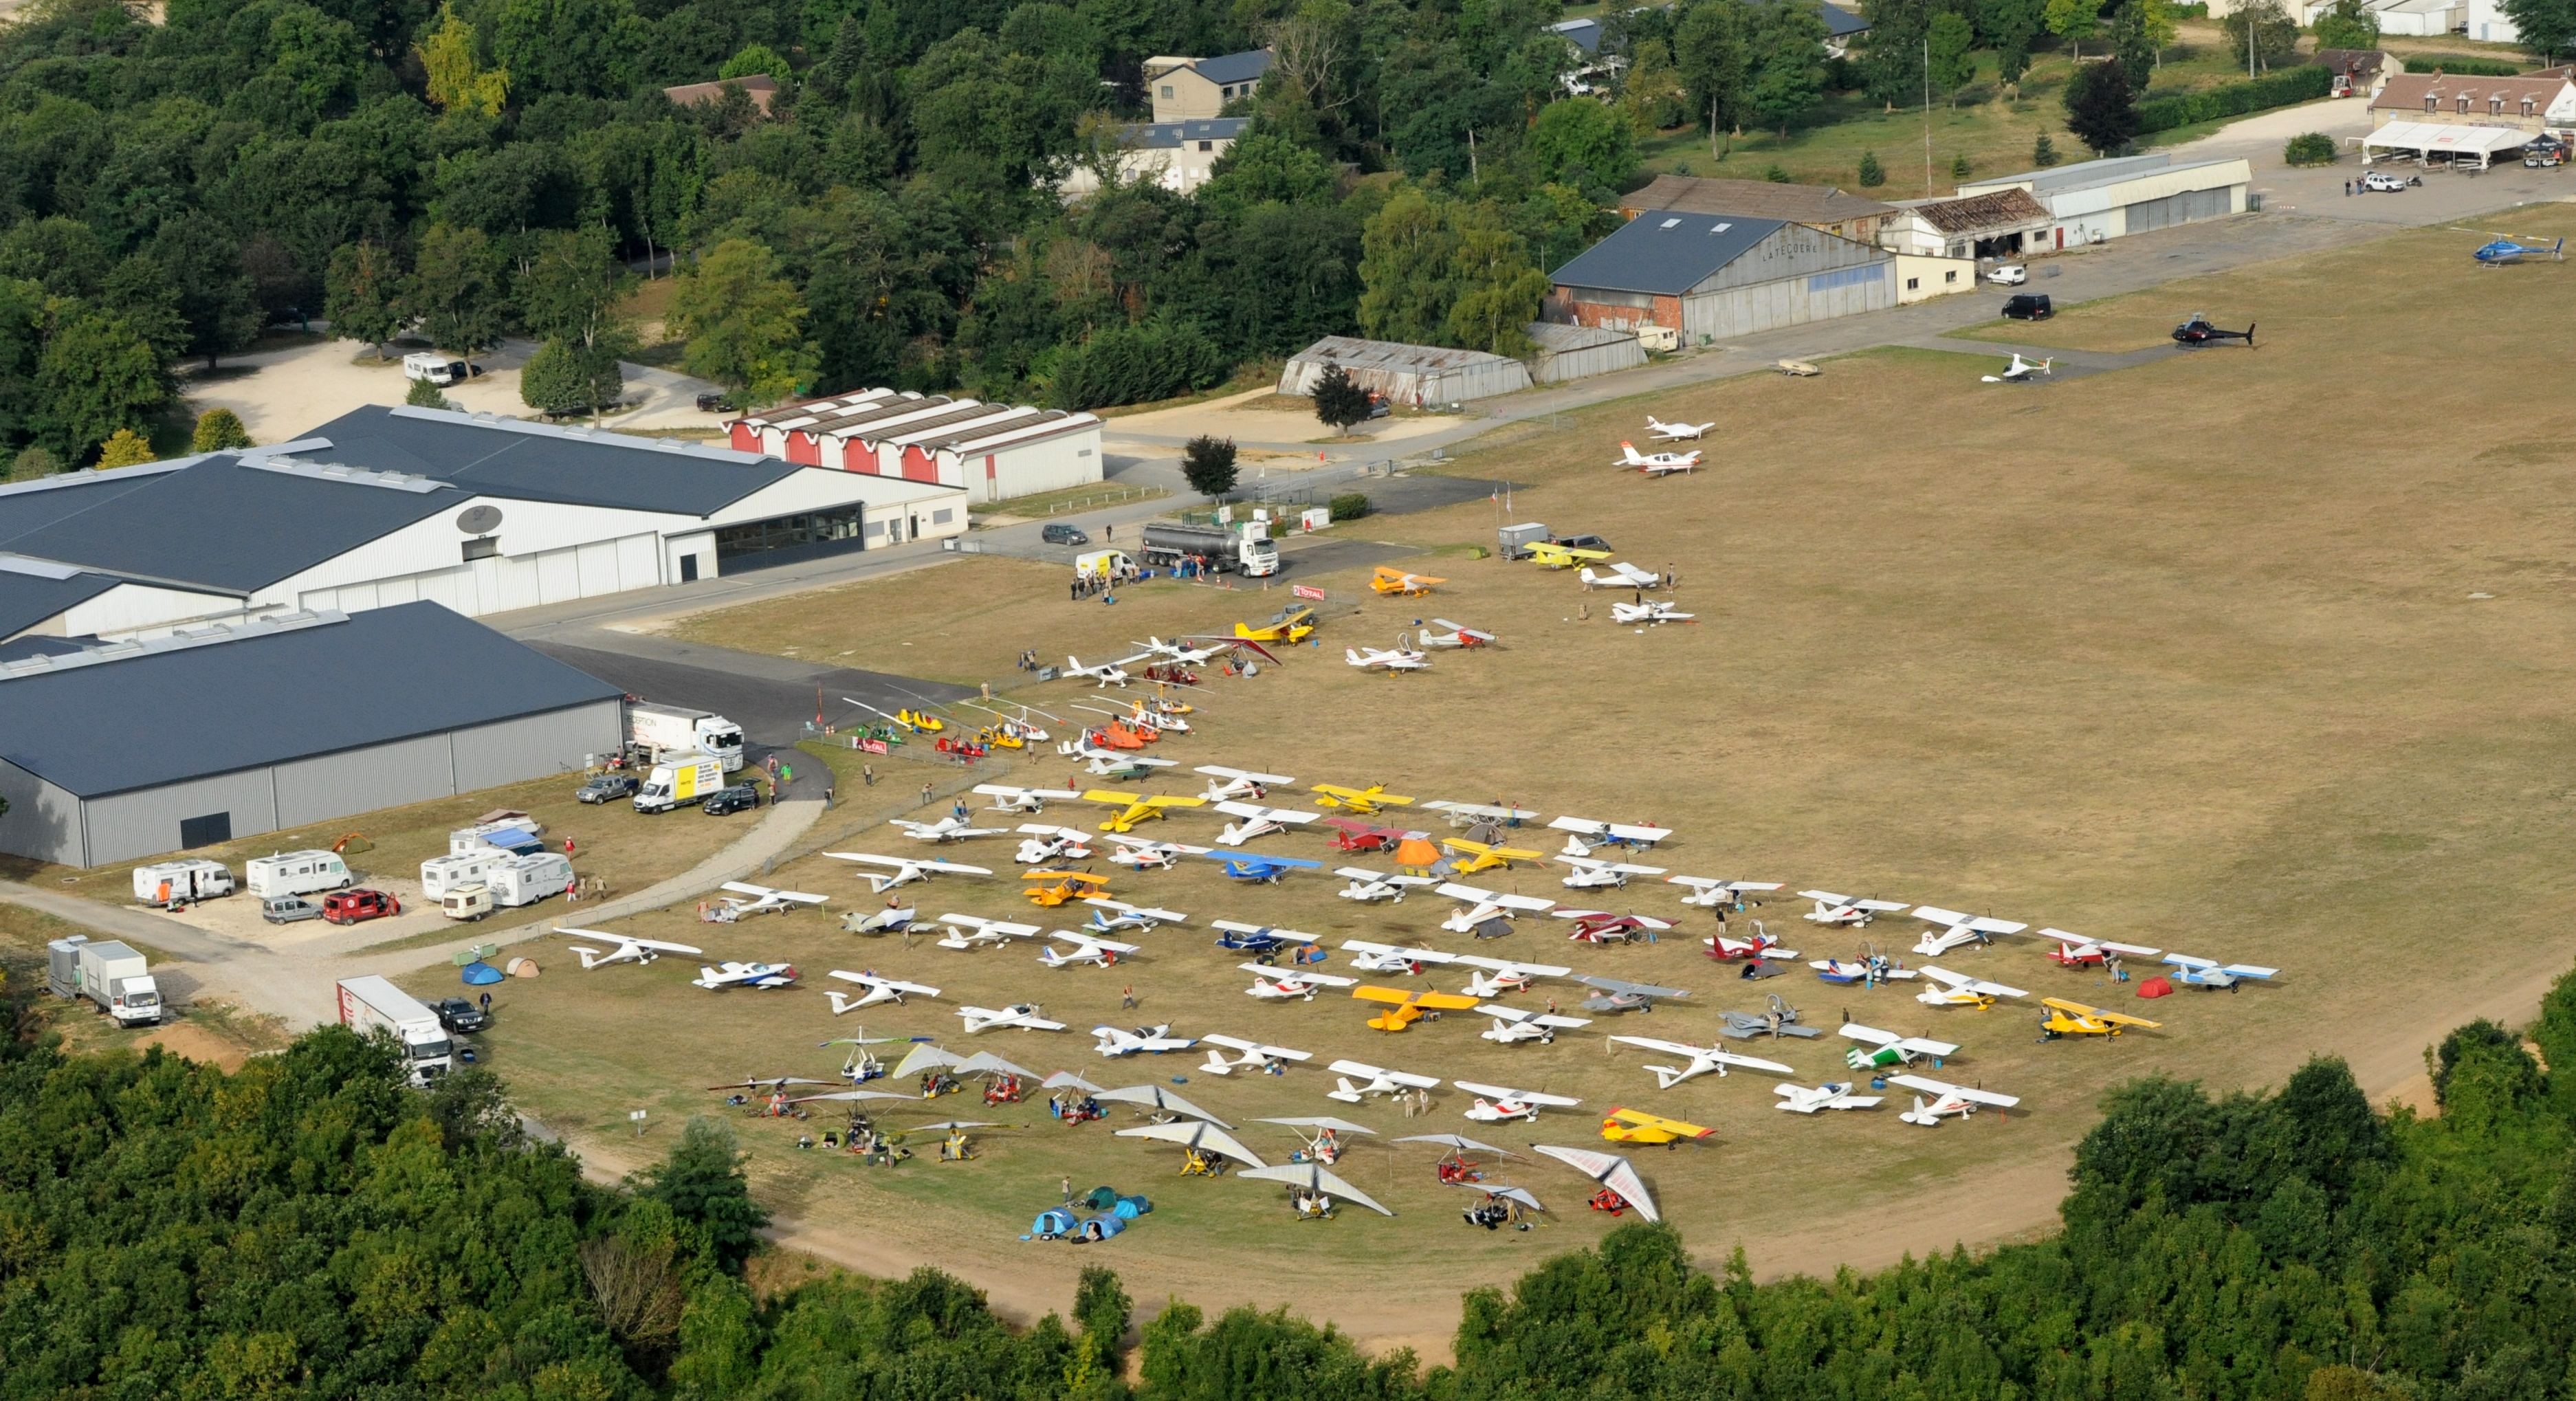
(1415, 854)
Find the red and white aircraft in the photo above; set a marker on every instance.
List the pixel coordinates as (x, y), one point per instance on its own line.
(2076, 951)
(1946, 1099)
(1656, 464)
(1603, 927)
(1271, 985)
(1506, 1103)
(1151, 855)
(1843, 909)
(1759, 946)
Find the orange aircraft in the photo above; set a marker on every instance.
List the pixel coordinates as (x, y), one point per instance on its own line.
(1404, 1007)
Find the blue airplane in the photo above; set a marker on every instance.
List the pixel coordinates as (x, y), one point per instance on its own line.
(1265, 870)
(1253, 938)
(2505, 250)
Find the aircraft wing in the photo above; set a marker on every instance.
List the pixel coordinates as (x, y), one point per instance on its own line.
(1611, 1171)
(1670, 1048)
(1917, 1082)
(1451, 1140)
(1534, 970)
(1315, 1177)
(1976, 985)
(1750, 1062)
(1636, 989)
(925, 1056)
(1203, 1136)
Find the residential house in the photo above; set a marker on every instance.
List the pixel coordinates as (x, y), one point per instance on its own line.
(1179, 156)
(1186, 89)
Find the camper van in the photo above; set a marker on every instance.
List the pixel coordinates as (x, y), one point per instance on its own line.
(524, 880)
(167, 883)
(296, 873)
(438, 369)
(441, 874)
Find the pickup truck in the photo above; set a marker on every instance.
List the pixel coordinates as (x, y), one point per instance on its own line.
(460, 1015)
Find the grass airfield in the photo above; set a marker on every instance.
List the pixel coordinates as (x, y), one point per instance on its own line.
(2252, 654)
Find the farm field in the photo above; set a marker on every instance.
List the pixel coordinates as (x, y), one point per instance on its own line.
(2183, 655)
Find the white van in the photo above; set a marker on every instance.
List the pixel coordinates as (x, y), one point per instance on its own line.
(441, 874)
(524, 880)
(466, 902)
(296, 873)
(679, 778)
(436, 368)
(165, 883)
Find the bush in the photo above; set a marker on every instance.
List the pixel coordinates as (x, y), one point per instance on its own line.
(1349, 506)
(33, 464)
(2462, 66)
(2310, 148)
(125, 448)
(1776, 175)
(1339, 400)
(2043, 152)
(424, 395)
(1872, 174)
(1135, 364)
(218, 430)
(2235, 99)
(1960, 169)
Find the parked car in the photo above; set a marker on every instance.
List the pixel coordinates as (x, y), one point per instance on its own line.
(459, 1015)
(1061, 533)
(1580, 542)
(2008, 275)
(353, 906)
(288, 909)
(714, 403)
(607, 787)
(2381, 180)
(723, 802)
(2028, 306)
(2539, 156)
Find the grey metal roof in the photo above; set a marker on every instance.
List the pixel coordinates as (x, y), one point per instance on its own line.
(2083, 175)
(29, 599)
(1584, 34)
(535, 462)
(1351, 353)
(160, 717)
(27, 505)
(1557, 337)
(1234, 68)
(1171, 136)
(1840, 23)
(1665, 252)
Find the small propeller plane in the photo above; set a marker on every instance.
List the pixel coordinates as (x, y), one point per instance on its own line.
(1135, 808)
(1225, 783)
(1844, 910)
(1551, 555)
(1045, 842)
(1256, 938)
(1262, 870)
(1470, 857)
(2020, 370)
(750, 975)
(1779, 1020)
(1593, 873)
(2076, 951)
(878, 990)
(1387, 958)
(1798, 1099)
(1257, 821)
(1174, 652)
(1957, 990)
(1708, 893)
(1957, 929)
(967, 932)
(1616, 995)
(1459, 636)
(1368, 887)
(1049, 889)
(1869, 970)
(1497, 976)
(1656, 463)
(1086, 949)
(1603, 927)
(1478, 907)
(1500, 1104)
(1291, 625)
(1105, 674)
(947, 829)
(1887, 1048)
(905, 871)
(1638, 1126)
(1649, 614)
(1471, 814)
(1144, 1039)
(1019, 1016)
(1675, 432)
(629, 949)
(1390, 580)
(2064, 1018)
(1147, 855)
(2502, 251)
(1947, 1099)
(2203, 973)
(1137, 917)
(1362, 801)
(1252, 1055)
(1374, 1081)
(1031, 801)
(1701, 1060)
(1271, 985)
(1725, 947)
(1404, 1008)
(1512, 1024)
(1352, 834)
(764, 900)
(1390, 660)
(1583, 835)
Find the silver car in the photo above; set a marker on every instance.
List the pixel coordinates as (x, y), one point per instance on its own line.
(288, 909)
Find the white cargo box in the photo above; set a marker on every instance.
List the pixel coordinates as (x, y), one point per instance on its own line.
(441, 874)
(296, 873)
(525, 880)
(165, 882)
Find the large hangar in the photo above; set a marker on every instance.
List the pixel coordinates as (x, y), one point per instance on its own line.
(1717, 276)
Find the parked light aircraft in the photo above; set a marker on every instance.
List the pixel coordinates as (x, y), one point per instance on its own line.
(1779, 1020)
(1698, 1060)
(1387, 579)
(1256, 938)
(1374, 1081)
(1363, 801)
(1271, 985)
(1356, 834)
(1105, 674)
(1603, 927)
(1868, 971)
(2076, 951)
(1725, 947)
(1045, 842)
(1496, 976)
(1023, 800)
(1886, 1048)
(1674, 432)
(1469, 814)
(748, 899)
(878, 990)
(1368, 886)
(1086, 949)
(1134, 808)
(1137, 917)
(1617, 1176)
(752, 975)
(1512, 1024)
(2502, 250)
(1147, 855)
(1470, 857)
(1656, 463)
(1048, 889)
(1291, 625)
(1459, 635)
(1020, 1016)
(1843, 909)
(1648, 614)
(1956, 990)
(905, 871)
(1957, 929)
(1616, 995)
(1946, 1099)
(968, 931)
(2202, 973)
(1257, 821)
(2021, 369)
(1404, 1006)
(1200, 1137)
(1638, 1126)
(947, 829)
(1154, 1039)
(2064, 1018)
(1252, 1055)
(1387, 958)
(1262, 870)
(1390, 660)
(1478, 906)
(1506, 1104)
(1175, 652)
(1593, 873)
(1709, 893)
(1224, 783)
(1551, 555)
(1798, 1099)
(629, 948)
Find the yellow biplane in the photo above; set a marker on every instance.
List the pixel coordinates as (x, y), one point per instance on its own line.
(1292, 625)
(1551, 555)
(1064, 887)
(1359, 800)
(1136, 807)
(2064, 1018)
(1477, 856)
(1638, 1126)
(1404, 1007)
(1390, 580)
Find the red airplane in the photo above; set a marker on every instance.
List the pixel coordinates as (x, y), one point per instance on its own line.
(2076, 951)
(1355, 835)
(1602, 927)
(1760, 946)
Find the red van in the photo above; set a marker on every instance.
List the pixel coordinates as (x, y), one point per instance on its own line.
(351, 906)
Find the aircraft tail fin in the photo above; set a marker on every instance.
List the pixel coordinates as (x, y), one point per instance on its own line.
(2249, 326)
(840, 1001)
(1665, 1076)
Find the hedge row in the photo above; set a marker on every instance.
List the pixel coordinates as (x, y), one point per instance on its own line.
(2463, 66)
(2235, 99)
(1135, 365)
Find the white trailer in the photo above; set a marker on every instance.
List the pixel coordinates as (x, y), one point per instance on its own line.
(296, 873)
(525, 880)
(669, 730)
(113, 976)
(372, 1004)
(167, 883)
(441, 874)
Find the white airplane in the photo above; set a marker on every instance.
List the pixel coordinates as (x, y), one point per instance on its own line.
(878, 990)
(890, 920)
(1507, 1103)
(1512, 1024)
(1368, 886)
(1258, 821)
(1022, 1016)
(1798, 1099)
(1703, 1059)
(1110, 762)
(1387, 958)
(1842, 909)
(1225, 783)
(1375, 1082)
(1593, 873)
(2204, 973)
(1655, 464)
(1648, 613)
(2075, 951)
(1477, 906)
(1497, 976)
(1709, 893)
(1086, 949)
(1946, 1099)
(1175, 652)
(1156, 1039)
(1105, 674)
(1147, 855)
(1957, 929)
(629, 949)
(1583, 834)
(1888, 1048)
(763, 900)
(1956, 990)
(968, 931)
(1020, 726)
(1254, 1055)
(1469, 814)
(753, 975)
(1391, 659)
(1044, 842)
(905, 871)
(2021, 369)
(1459, 635)
(1759, 946)
(1622, 575)
(947, 829)
(1028, 800)
(1674, 432)
(1271, 985)
(1136, 917)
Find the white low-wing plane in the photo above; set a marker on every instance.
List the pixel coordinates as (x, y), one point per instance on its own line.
(1022, 1016)
(1107, 761)
(1476, 906)
(1798, 1099)
(1946, 1099)
(1007, 798)
(763, 900)
(1512, 1024)
(1702, 1060)
(893, 919)
(1105, 674)
(1225, 783)
(878, 990)
(1086, 948)
(1390, 659)
(1843, 909)
(904, 871)
(1583, 834)
(1374, 1081)
(1044, 842)
(1709, 893)
(1252, 1055)
(1109, 916)
(1368, 887)
(1271, 985)
(948, 829)
(1496, 976)
(2021, 369)
(1622, 575)
(1655, 464)
(1958, 990)
(1156, 1039)
(749, 975)
(1175, 651)
(1147, 855)
(1887, 1048)
(1507, 1103)
(970, 931)
(1674, 432)
(1389, 958)
(1648, 613)
(1458, 636)
(1258, 821)
(1957, 929)
(1593, 873)
(629, 949)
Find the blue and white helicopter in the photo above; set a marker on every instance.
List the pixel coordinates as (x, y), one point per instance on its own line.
(2505, 250)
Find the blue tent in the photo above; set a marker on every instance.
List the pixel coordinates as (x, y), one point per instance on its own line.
(481, 974)
(1051, 1223)
(1102, 1227)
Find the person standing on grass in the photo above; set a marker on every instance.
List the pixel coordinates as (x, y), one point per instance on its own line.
(1127, 997)
(926, 796)
(869, 773)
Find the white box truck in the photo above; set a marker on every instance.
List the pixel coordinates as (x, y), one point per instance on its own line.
(296, 873)
(668, 730)
(524, 880)
(168, 883)
(111, 975)
(687, 778)
(370, 1004)
(441, 874)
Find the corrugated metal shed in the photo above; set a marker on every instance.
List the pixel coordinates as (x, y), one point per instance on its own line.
(1580, 352)
(1406, 374)
(1665, 251)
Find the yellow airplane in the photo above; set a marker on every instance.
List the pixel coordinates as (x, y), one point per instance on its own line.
(2066, 1018)
(1480, 857)
(1136, 807)
(1404, 1007)
(1063, 887)
(1390, 580)
(922, 721)
(1359, 800)
(1638, 1126)
(1554, 556)
(1293, 625)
